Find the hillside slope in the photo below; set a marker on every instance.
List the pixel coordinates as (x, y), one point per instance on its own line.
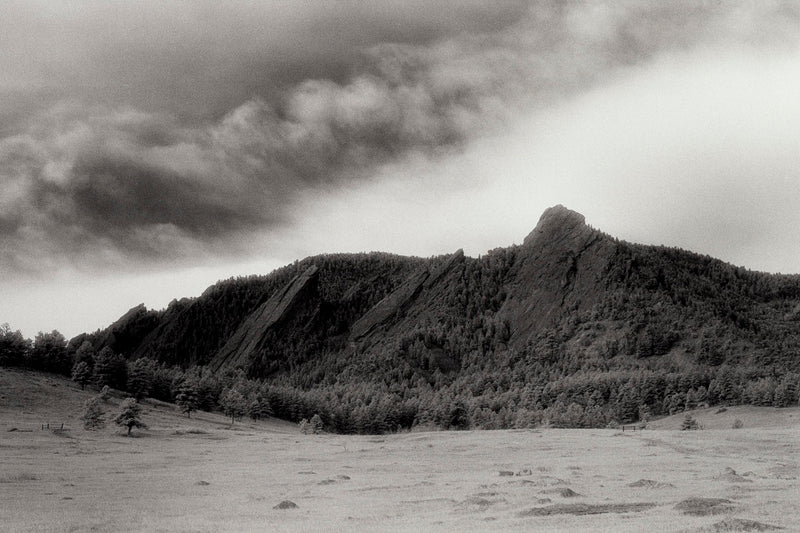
(570, 319)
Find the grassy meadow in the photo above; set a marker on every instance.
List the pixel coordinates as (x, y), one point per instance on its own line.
(202, 474)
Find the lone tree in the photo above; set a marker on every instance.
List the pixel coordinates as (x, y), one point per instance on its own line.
(128, 416)
(93, 414)
(233, 403)
(316, 424)
(81, 374)
(187, 398)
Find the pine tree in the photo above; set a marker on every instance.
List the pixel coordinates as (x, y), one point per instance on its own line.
(140, 377)
(110, 369)
(129, 414)
(259, 407)
(85, 353)
(81, 374)
(187, 398)
(316, 424)
(93, 414)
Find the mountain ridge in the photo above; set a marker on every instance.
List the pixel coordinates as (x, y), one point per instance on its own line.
(571, 320)
(562, 267)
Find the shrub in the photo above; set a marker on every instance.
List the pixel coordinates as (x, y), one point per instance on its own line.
(316, 424)
(737, 424)
(689, 423)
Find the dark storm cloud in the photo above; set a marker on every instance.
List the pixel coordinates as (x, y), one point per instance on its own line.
(156, 133)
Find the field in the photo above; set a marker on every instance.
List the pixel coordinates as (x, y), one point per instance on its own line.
(201, 474)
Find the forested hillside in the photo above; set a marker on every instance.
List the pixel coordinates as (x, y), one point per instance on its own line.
(572, 327)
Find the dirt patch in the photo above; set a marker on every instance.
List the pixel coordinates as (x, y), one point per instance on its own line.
(478, 502)
(740, 524)
(581, 509)
(704, 506)
(650, 484)
(563, 492)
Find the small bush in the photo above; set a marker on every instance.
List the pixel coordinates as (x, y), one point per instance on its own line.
(737, 424)
(313, 426)
(689, 423)
(104, 393)
(316, 424)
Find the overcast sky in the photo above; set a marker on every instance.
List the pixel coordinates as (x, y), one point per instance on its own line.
(150, 148)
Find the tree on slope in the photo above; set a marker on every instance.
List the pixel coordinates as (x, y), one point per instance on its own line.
(81, 374)
(110, 369)
(13, 346)
(233, 403)
(187, 398)
(93, 414)
(129, 415)
(140, 377)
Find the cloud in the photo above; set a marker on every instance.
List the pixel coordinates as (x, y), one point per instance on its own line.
(139, 144)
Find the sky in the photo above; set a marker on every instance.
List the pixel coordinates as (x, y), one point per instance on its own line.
(151, 148)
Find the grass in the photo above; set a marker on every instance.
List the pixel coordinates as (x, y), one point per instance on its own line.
(580, 509)
(198, 475)
(704, 506)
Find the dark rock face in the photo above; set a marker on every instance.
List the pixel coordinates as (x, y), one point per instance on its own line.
(247, 339)
(399, 300)
(560, 269)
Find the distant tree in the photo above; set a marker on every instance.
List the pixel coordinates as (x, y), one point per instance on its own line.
(165, 383)
(13, 346)
(110, 369)
(93, 413)
(86, 353)
(140, 377)
(233, 403)
(49, 353)
(186, 398)
(129, 415)
(316, 424)
(458, 417)
(259, 408)
(81, 374)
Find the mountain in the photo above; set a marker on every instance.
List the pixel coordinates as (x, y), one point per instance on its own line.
(571, 316)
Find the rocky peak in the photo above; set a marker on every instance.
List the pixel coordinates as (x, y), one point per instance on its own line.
(559, 225)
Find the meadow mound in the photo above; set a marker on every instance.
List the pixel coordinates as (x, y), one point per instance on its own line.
(750, 416)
